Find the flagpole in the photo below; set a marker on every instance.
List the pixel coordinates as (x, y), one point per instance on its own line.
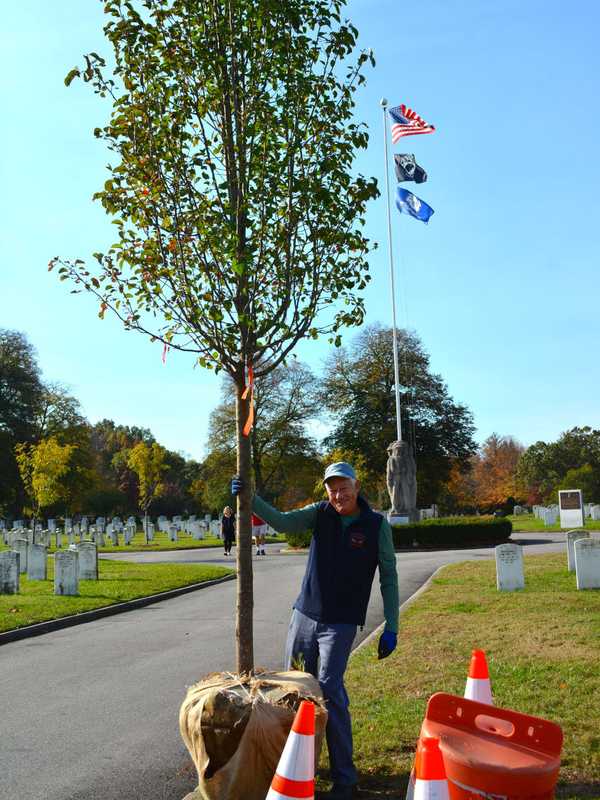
(383, 103)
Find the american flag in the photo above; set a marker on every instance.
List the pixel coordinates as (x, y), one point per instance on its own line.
(405, 122)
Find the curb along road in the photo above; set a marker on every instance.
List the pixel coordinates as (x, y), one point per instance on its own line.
(104, 611)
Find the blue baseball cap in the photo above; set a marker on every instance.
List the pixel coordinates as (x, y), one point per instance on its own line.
(341, 469)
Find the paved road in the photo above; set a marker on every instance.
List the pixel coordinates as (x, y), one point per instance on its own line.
(90, 712)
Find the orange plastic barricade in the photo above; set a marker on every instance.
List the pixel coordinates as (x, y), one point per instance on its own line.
(494, 753)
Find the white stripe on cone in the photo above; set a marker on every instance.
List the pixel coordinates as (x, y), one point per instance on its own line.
(410, 789)
(479, 689)
(297, 762)
(431, 790)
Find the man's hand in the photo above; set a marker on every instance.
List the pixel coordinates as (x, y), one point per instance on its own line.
(236, 485)
(387, 644)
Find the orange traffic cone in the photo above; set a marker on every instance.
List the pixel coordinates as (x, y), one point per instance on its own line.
(430, 773)
(295, 775)
(410, 789)
(478, 683)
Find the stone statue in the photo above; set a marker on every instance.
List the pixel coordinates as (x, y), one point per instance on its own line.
(401, 478)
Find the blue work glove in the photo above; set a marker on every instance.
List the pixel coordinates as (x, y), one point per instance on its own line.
(387, 644)
(236, 485)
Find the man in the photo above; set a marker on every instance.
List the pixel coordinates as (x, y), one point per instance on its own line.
(349, 542)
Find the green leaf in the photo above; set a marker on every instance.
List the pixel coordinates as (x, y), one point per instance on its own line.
(74, 73)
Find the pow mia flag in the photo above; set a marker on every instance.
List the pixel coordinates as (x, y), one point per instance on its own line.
(407, 168)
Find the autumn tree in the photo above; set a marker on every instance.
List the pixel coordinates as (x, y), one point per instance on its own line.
(359, 392)
(148, 463)
(238, 212)
(43, 467)
(495, 471)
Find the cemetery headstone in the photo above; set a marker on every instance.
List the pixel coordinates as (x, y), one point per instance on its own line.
(9, 572)
(509, 567)
(52, 525)
(88, 561)
(572, 537)
(197, 532)
(173, 533)
(37, 562)
(587, 563)
(570, 502)
(58, 537)
(70, 536)
(595, 512)
(66, 572)
(20, 545)
(150, 531)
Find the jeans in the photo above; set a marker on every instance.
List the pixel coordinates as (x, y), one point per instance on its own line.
(325, 650)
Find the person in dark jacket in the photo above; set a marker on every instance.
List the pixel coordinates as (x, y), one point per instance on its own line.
(349, 543)
(228, 529)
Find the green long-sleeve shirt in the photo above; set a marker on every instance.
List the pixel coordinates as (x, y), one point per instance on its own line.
(304, 519)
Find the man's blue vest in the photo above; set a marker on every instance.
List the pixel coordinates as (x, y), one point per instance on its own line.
(341, 566)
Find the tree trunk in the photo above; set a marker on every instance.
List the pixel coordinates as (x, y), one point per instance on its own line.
(245, 595)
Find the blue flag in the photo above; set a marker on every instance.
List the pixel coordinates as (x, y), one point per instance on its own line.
(408, 203)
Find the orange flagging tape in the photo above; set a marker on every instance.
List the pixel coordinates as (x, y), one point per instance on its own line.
(249, 390)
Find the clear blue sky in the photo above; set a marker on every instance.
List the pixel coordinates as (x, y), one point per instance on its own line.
(502, 286)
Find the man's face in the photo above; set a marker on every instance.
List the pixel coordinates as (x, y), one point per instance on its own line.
(343, 494)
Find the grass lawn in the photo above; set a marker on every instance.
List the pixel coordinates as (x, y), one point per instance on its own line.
(161, 542)
(119, 581)
(527, 522)
(543, 648)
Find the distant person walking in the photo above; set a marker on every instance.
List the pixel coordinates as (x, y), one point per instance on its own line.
(259, 531)
(228, 529)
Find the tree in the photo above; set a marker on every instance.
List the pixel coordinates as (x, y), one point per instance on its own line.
(585, 478)
(359, 392)
(284, 402)
(544, 466)
(21, 386)
(21, 390)
(57, 411)
(495, 472)
(148, 463)
(238, 215)
(43, 467)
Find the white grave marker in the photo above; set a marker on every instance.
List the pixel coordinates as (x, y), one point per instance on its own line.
(570, 502)
(9, 572)
(88, 561)
(20, 545)
(587, 563)
(37, 562)
(66, 572)
(572, 537)
(509, 567)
